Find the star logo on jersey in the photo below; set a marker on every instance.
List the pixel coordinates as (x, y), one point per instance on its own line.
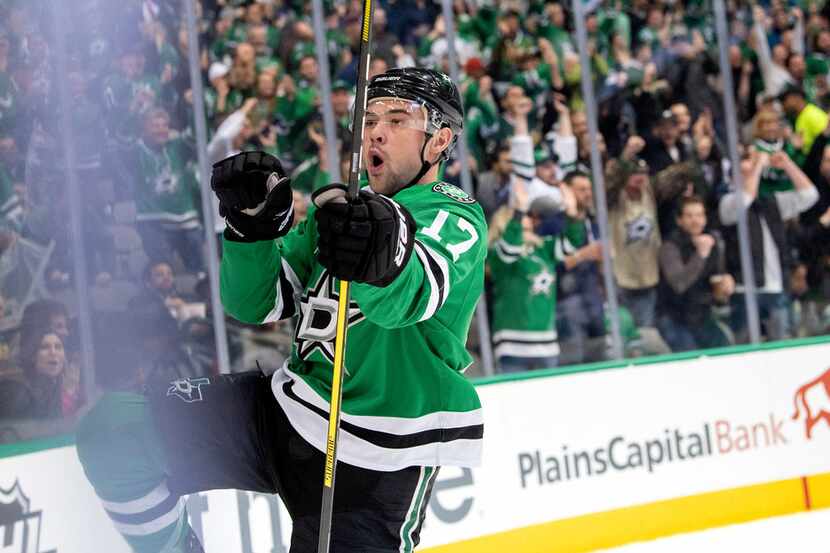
(166, 182)
(639, 229)
(542, 283)
(317, 326)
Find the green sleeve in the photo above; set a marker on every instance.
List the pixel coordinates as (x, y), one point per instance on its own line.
(258, 281)
(509, 248)
(450, 244)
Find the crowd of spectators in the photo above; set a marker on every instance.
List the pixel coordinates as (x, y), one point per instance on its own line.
(670, 188)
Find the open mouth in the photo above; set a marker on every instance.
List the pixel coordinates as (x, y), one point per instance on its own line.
(376, 162)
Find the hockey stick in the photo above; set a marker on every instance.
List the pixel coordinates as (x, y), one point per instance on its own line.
(343, 304)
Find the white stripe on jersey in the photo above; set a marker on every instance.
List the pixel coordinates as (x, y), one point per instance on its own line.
(280, 303)
(362, 453)
(525, 335)
(439, 283)
(136, 506)
(391, 425)
(522, 349)
(153, 526)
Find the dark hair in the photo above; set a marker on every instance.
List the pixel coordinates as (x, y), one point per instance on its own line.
(30, 339)
(689, 200)
(501, 147)
(569, 178)
(38, 314)
(152, 264)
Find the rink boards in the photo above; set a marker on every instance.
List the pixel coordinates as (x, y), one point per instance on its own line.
(572, 462)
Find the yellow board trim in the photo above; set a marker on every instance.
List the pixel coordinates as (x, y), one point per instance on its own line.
(655, 520)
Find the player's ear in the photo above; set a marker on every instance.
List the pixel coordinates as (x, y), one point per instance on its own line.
(441, 140)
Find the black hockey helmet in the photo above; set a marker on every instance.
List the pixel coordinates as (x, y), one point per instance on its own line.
(435, 89)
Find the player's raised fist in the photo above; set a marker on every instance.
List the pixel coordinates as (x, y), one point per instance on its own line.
(369, 239)
(254, 196)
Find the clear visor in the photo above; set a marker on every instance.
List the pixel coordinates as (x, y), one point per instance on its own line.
(396, 114)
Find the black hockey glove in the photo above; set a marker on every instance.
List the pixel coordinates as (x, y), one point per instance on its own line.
(366, 240)
(254, 196)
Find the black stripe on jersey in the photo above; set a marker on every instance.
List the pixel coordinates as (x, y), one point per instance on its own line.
(507, 252)
(287, 295)
(149, 515)
(394, 441)
(437, 273)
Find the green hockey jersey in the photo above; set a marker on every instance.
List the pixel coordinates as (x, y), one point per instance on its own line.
(123, 459)
(406, 401)
(524, 295)
(167, 188)
(774, 180)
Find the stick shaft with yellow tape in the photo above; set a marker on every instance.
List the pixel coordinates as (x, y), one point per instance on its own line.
(330, 470)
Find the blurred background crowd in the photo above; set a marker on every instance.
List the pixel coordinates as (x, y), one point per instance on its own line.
(103, 91)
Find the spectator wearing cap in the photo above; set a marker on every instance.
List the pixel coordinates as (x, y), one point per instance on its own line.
(665, 148)
(693, 277)
(769, 246)
(808, 119)
(580, 317)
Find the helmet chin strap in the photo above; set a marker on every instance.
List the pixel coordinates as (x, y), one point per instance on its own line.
(425, 165)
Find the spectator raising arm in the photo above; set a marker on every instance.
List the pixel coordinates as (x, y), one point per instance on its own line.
(752, 169)
(775, 77)
(793, 202)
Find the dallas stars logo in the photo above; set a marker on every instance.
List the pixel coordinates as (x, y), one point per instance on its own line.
(639, 229)
(542, 283)
(317, 327)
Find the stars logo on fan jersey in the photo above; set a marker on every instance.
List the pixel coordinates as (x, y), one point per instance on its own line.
(317, 324)
(542, 283)
(639, 229)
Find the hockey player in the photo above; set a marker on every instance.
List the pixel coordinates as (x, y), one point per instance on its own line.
(120, 447)
(414, 248)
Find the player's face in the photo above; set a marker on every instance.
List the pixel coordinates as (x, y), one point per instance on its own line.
(392, 140)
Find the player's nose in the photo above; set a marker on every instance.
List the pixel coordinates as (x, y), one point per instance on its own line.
(377, 134)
